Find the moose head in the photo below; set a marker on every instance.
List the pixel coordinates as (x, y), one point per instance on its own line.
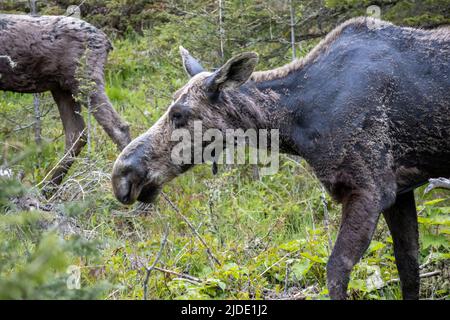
(218, 100)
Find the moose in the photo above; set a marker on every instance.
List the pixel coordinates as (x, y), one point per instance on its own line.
(368, 108)
(43, 53)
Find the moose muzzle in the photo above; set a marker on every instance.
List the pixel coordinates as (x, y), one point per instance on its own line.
(130, 176)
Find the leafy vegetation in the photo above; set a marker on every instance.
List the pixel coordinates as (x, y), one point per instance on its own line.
(270, 236)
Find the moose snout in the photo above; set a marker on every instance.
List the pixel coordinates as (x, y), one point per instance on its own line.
(127, 180)
(132, 178)
(122, 191)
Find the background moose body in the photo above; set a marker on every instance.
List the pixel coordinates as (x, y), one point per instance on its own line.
(368, 108)
(42, 54)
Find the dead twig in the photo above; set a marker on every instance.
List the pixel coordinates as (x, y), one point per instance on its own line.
(67, 154)
(186, 280)
(286, 279)
(326, 219)
(208, 250)
(396, 280)
(37, 120)
(439, 183)
(75, 9)
(179, 275)
(149, 269)
(277, 262)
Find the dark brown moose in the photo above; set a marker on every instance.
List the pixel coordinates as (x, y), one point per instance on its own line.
(368, 109)
(39, 54)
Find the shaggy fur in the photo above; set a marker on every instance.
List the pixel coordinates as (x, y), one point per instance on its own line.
(440, 34)
(368, 109)
(46, 51)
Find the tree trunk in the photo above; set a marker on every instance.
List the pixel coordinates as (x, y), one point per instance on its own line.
(36, 102)
(292, 11)
(221, 29)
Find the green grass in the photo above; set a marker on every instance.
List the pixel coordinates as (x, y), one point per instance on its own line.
(269, 236)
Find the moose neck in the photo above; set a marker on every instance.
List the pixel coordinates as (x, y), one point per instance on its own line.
(265, 105)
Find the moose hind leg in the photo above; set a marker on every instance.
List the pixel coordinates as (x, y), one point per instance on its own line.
(401, 219)
(73, 124)
(359, 219)
(103, 111)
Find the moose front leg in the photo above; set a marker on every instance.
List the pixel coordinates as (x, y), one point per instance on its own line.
(359, 219)
(115, 127)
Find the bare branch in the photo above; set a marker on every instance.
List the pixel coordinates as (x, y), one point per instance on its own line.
(221, 29)
(292, 25)
(396, 280)
(37, 119)
(66, 155)
(74, 10)
(180, 275)
(149, 269)
(208, 250)
(326, 219)
(439, 183)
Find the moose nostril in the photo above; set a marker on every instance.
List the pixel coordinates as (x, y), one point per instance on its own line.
(123, 190)
(127, 195)
(127, 178)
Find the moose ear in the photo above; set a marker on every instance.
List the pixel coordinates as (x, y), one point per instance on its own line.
(234, 73)
(190, 64)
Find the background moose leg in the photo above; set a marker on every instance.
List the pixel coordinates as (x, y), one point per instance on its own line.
(108, 118)
(74, 126)
(402, 221)
(359, 219)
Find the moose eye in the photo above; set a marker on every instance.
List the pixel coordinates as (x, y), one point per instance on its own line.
(179, 116)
